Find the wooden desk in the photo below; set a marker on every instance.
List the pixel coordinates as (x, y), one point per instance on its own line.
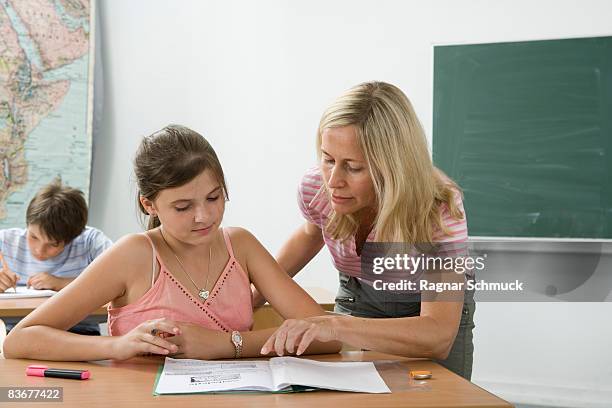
(130, 384)
(23, 307)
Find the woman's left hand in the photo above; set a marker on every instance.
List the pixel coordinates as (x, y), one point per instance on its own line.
(201, 343)
(301, 333)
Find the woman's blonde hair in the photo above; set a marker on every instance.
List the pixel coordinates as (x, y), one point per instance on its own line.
(409, 189)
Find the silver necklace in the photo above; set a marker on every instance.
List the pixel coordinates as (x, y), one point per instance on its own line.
(202, 292)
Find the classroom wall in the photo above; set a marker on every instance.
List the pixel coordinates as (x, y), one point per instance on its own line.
(254, 78)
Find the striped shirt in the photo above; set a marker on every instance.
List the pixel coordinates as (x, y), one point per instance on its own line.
(75, 257)
(316, 208)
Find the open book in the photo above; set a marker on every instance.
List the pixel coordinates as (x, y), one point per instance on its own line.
(279, 374)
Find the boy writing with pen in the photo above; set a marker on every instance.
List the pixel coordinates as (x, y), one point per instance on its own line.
(54, 248)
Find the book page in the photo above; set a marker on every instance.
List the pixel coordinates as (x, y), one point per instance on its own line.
(193, 376)
(340, 376)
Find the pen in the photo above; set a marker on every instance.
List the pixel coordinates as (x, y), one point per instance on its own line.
(44, 371)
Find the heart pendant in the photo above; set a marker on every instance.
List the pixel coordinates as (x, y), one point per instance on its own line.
(204, 294)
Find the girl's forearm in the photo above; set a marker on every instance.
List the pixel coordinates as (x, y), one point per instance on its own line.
(253, 341)
(47, 343)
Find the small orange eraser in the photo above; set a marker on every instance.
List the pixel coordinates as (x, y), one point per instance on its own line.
(420, 375)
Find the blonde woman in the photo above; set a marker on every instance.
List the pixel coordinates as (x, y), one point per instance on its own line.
(376, 183)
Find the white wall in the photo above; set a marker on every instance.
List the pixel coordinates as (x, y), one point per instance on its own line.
(254, 78)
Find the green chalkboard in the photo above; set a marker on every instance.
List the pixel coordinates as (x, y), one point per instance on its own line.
(525, 128)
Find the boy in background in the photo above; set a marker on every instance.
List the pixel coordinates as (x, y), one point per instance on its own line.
(54, 248)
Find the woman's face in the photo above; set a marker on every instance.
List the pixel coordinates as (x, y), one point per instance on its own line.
(192, 212)
(346, 172)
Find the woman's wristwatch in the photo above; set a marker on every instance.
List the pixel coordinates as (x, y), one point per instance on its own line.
(237, 342)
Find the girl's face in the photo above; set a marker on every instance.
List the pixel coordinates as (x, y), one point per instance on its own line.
(192, 212)
(346, 172)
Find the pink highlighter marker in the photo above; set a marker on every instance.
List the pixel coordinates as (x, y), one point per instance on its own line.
(44, 371)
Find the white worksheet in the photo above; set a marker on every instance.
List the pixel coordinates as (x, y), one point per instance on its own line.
(24, 292)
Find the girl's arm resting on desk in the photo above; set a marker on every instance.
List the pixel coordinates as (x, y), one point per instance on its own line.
(303, 245)
(42, 334)
(49, 343)
(205, 344)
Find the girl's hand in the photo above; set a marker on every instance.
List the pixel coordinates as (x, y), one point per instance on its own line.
(199, 342)
(147, 338)
(300, 333)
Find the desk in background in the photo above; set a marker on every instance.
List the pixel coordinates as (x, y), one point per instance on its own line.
(130, 384)
(264, 316)
(22, 307)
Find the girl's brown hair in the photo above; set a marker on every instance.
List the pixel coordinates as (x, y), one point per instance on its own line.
(172, 157)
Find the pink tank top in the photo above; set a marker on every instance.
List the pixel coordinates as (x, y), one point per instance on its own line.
(228, 308)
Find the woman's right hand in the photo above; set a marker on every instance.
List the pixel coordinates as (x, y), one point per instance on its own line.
(145, 339)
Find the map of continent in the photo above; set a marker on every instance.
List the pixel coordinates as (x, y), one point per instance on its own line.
(46, 94)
